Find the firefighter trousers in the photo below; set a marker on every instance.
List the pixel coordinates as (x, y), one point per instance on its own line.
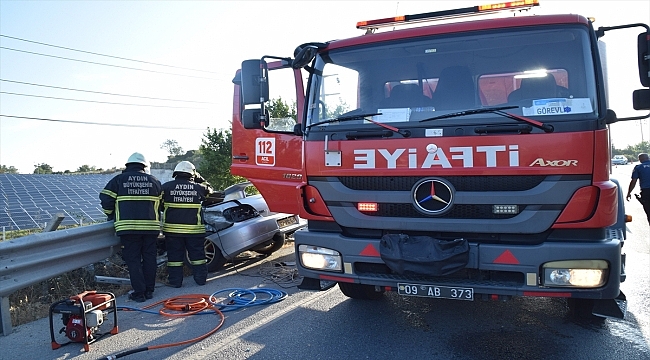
(139, 253)
(177, 248)
(645, 201)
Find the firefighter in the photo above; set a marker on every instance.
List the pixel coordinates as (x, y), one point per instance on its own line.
(132, 200)
(183, 223)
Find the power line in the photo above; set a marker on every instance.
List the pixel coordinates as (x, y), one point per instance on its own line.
(115, 57)
(99, 102)
(105, 93)
(96, 63)
(104, 124)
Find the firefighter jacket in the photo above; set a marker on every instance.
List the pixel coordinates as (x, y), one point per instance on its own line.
(132, 199)
(182, 211)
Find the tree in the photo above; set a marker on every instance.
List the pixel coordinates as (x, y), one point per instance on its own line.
(42, 169)
(278, 108)
(172, 148)
(86, 168)
(8, 170)
(341, 108)
(216, 148)
(283, 115)
(193, 156)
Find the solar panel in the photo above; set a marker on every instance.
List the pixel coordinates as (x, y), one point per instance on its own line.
(29, 201)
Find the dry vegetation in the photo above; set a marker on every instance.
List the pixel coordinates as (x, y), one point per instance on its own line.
(33, 302)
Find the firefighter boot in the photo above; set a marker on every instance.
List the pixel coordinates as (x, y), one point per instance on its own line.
(175, 277)
(200, 273)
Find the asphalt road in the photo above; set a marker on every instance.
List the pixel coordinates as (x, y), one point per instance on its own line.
(327, 325)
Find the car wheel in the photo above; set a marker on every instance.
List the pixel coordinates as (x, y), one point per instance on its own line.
(271, 246)
(214, 257)
(360, 291)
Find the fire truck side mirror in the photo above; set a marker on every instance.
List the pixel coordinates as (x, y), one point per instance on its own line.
(644, 59)
(304, 54)
(254, 82)
(641, 99)
(251, 118)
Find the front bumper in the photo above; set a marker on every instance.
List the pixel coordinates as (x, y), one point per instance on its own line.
(492, 270)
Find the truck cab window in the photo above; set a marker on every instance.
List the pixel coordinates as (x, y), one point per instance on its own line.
(282, 100)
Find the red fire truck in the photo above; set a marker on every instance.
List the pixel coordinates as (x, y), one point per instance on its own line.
(460, 160)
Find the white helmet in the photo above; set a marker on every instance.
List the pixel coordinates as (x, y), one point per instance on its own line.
(137, 158)
(184, 167)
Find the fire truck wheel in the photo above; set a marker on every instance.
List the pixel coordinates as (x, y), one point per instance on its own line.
(213, 255)
(361, 292)
(271, 246)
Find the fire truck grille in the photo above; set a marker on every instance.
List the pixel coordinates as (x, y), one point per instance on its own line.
(459, 211)
(460, 183)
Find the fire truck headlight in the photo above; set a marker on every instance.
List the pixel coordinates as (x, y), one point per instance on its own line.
(576, 273)
(320, 258)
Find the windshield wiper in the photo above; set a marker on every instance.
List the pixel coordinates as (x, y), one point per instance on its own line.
(496, 110)
(343, 118)
(404, 133)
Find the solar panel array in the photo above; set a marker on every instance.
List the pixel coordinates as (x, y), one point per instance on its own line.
(30, 201)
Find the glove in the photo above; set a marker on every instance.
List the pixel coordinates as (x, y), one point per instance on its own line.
(198, 178)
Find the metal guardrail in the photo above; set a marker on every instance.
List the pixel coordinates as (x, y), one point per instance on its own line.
(34, 258)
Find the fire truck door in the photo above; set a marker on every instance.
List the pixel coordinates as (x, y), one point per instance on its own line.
(273, 161)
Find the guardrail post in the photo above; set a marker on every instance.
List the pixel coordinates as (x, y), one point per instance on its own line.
(5, 316)
(54, 222)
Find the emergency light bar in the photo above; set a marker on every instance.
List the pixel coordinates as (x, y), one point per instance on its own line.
(447, 14)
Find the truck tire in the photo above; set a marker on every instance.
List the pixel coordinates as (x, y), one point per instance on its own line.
(214, 257)
(271, 246)
(360, 291)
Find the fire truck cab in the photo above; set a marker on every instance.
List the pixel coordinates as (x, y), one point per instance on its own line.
(465, 160)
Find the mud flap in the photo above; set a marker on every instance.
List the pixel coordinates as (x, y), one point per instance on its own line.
(423, 254)
(611, 308)
(315, 284)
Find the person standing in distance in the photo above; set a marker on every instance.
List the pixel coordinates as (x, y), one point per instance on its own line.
(641, 172)
(183, 223)
(132, 200)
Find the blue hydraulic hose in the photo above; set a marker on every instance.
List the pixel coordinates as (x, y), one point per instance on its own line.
(241, 298)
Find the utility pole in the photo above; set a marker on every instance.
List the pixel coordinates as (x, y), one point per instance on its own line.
(641, 126)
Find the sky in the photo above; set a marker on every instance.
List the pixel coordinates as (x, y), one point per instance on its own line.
(201, 44)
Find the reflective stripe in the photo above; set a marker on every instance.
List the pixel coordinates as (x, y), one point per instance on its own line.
(184, 229)
(199, 262)
(183, 205)
(108, 212)
(174, 263)
(108, 193)
(155, 206)
(139, 198)
(121, 225)
(140, 228)
(140, 222)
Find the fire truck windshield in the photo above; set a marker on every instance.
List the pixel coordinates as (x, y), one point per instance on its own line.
(545, 73)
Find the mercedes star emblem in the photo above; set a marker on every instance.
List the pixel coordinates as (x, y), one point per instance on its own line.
(432, 196)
